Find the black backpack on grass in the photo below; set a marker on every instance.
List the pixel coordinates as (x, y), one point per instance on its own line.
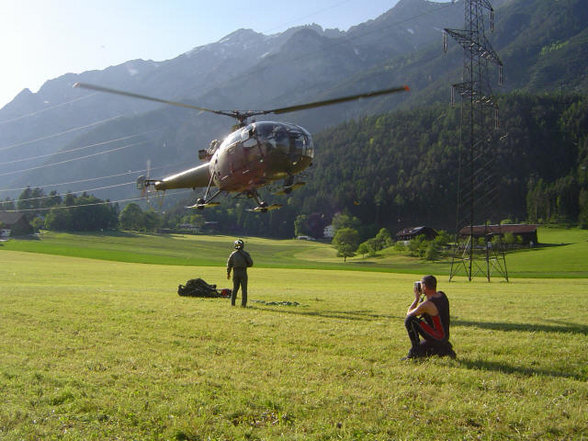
(198, 288)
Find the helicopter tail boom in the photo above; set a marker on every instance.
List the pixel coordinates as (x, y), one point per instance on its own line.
(192, 178)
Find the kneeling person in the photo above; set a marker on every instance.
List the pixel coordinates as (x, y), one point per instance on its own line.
(429, 320)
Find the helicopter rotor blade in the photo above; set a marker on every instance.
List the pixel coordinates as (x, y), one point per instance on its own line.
(149, 98)
(335, 100)
(243, 116)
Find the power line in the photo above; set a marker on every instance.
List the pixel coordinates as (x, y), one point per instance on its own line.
(67, 207)
(98, 178)
(50, 196)
(74, 159)
(62, 152)
(46, 109)
(6, 190)
(55, 135)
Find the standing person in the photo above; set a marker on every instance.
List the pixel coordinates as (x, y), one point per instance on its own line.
(238, 262)
(430, 320)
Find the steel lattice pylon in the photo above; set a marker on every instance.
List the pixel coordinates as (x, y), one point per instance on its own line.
(479, 121)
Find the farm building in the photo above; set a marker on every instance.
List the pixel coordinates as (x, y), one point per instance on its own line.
(13, 222)
(527, 232)
(413, 232)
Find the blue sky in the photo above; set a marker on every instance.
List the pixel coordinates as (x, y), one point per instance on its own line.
(43, 39)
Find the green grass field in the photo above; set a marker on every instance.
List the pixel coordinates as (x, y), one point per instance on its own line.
(95, 349)
(563, 253)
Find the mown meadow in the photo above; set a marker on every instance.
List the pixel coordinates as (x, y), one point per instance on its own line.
(561, 253)
(103, 348)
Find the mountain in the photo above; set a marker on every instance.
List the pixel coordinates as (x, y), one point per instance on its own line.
(542, 43)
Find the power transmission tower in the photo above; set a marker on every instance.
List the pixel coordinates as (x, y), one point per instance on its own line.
(477, 190)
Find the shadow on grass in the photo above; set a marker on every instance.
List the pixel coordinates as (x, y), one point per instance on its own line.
(537, 247)
(361, 315)
(494, 366)
(560, 327)
(547, 245)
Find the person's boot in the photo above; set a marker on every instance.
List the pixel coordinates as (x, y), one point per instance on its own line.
(450, 352)
(412, 353)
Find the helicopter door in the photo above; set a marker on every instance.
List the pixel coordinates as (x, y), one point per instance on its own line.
(250, 148)
(292, 147)
(298, 146)
(248, 137)
(241, 153)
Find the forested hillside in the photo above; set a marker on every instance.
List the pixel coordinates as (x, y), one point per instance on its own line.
(401, 169)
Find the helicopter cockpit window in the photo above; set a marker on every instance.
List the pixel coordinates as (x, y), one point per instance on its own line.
(303, 143)
(249, 143)
(248, 136)
(290, 139)
(281, 138)
(232, 138)
(263, 130)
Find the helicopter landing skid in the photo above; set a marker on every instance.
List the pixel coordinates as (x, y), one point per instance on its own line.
(264, 208)
(203, 205)
(287, 189)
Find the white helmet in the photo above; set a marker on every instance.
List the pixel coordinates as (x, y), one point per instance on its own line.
(239, 244)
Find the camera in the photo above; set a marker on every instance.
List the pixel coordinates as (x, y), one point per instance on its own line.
(418, 286)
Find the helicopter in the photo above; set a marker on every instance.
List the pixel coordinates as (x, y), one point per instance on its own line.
(252, 156)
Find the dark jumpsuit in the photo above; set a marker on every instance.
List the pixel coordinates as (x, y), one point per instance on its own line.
(238, 261)
(434, 330)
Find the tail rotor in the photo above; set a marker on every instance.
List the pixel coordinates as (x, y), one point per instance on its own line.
(144, 181)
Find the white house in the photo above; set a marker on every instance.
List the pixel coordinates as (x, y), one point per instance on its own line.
(329, 232)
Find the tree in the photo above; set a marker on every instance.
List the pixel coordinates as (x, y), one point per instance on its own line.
(37, 224)
(30, 200)
(25, 201)
(416, 246)
(300, 228)
(341, 220)
(21, 229)
(312, 225)
(58, 219)
(83, 213)
(583, 202)
(383, 239)
(432, 251)
(363, 249)
(369, 247)
(195, 219)
(8, 204)
(132, 218)
(151, 220)
(399, 246)
(53, 200)
(346, 241)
